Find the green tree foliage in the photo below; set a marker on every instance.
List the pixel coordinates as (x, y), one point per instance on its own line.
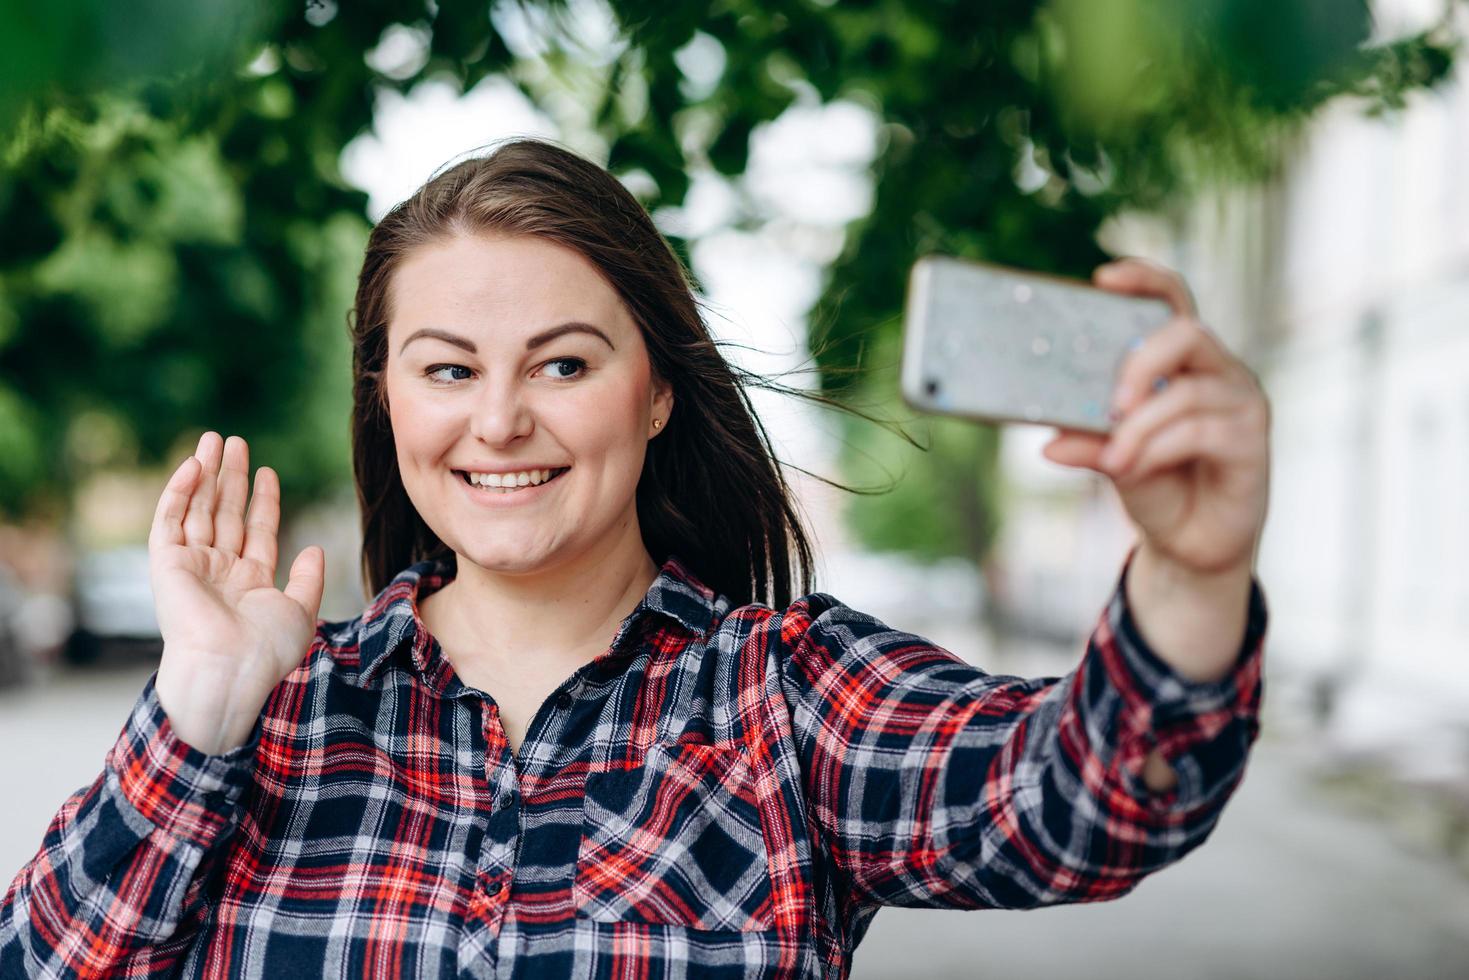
(152, 286)
(179, 252)
(179, 246)
(1011, 131)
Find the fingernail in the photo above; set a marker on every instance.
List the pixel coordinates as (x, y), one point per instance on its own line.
(1159, 384)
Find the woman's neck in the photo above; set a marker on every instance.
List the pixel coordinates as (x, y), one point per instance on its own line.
(564, 615)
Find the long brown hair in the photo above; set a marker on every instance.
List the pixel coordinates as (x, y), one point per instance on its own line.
(711, 490)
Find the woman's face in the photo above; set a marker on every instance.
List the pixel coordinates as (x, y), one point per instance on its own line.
(513, 354)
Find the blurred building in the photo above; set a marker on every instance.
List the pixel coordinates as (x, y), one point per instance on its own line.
(1365, 350)
(1345, 284)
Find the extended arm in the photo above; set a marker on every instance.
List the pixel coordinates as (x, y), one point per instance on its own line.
(936, 784)
(111, 884)
(1190, 460)
(1196, 623)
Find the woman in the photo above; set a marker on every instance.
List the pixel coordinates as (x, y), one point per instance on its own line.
(584, 728)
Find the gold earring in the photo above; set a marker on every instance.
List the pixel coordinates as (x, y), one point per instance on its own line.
(657, 423)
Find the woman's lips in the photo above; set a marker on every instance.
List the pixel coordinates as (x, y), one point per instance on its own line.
(529, 489)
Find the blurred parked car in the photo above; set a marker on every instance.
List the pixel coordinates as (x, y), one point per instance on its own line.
(14, 665)
(113, 606)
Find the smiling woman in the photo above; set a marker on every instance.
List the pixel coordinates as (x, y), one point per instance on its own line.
(592, 720)
(520, 401)
(526, 261)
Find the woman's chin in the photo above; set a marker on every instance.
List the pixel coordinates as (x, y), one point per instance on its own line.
(502, 561)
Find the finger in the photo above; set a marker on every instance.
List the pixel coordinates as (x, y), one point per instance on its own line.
(1181, 345)
(168, 517)
(1219, 437)
(199, 521)
(1185, 395)
(1139, 277)
(308, 573)
(264, 519)
(234, 479)
(1075, 448)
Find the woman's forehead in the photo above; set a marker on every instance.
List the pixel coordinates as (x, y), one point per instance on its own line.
(502, 289)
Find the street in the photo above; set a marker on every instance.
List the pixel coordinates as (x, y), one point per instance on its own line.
(1289, 886)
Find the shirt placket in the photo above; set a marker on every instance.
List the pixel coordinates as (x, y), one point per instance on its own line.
(498, 807)
(489, 948)
(495, 870)
(496, 866)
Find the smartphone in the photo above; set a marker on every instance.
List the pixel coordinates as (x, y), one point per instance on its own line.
(996, 344)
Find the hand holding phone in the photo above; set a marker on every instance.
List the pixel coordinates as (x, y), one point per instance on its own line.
(1003, 345)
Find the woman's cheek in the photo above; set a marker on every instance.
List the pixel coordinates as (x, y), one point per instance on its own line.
(422, 420)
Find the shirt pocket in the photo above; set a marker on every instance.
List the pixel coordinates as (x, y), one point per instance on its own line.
(675, 841)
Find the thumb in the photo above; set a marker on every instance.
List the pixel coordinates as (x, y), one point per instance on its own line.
(1077, 449)
(306, 580)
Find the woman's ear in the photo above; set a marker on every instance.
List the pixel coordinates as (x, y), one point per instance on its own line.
(662, 404)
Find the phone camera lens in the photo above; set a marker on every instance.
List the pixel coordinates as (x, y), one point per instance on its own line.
(932, 387)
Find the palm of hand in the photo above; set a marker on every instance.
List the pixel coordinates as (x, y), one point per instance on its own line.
(229, 635)
(230, 596)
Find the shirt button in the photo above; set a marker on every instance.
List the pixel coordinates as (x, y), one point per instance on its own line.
(563, 700)
(493, 888)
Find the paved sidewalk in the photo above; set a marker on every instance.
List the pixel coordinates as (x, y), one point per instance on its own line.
(53, 738)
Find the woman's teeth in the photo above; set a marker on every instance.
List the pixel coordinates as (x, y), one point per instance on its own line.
(511, 482)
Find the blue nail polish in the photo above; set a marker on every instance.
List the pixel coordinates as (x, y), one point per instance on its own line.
(1134, 343)
(1159, 384)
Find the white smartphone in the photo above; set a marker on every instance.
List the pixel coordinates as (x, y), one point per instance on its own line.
(986, 342)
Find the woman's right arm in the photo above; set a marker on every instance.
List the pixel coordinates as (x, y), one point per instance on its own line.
(110, 885)
(112, 881)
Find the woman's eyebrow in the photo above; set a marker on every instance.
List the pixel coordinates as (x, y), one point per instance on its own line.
(573, 326)
(544, 337)
(444, 335)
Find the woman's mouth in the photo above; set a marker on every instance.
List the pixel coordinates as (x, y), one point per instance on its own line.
(475, 484)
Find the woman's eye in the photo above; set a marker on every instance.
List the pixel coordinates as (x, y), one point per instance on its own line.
(434, 372)
(575, 366)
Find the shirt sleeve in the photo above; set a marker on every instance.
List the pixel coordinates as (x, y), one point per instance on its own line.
(112, 877)
(936, 784)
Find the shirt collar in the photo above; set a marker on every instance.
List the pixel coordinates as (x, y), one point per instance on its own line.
(391, 621)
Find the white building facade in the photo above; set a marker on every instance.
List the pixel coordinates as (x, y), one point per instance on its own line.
(1345, 284)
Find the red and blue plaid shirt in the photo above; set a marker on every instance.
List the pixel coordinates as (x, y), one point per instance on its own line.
(722, 793)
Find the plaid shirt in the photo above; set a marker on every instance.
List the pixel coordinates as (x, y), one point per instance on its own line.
(723, 793)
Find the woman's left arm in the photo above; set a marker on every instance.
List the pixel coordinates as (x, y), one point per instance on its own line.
(935, 784)
(1189, 457)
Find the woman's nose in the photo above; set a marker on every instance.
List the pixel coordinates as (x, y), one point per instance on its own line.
(500, 414)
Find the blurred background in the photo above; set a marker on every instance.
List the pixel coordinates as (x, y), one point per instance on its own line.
(186, 189)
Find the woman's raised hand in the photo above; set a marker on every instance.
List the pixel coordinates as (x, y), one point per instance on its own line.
(1190, 455)
(229, 635)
